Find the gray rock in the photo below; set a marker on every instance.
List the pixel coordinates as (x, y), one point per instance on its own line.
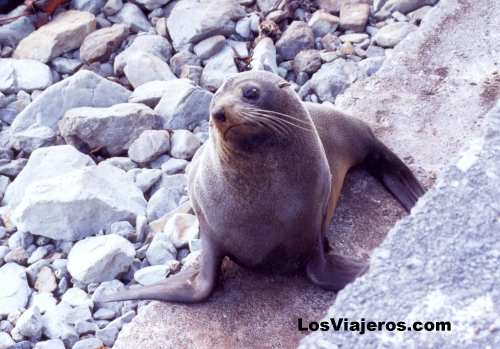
(89, 200)
(39, 253)
(4, 183)
(183, 105)
(132, 15)
(107, 335)
(20, 239)
(322, 23)
(123, 228)
(307, 61)
(121, 162)
(354, 16)
(100, 258)
(33, 138)
(93, 6)
(43, 301)
(150, 93)
(64, 33)
(143, 67)
(151, 275)
(145, 178)
(153, 44)
(218, 68)
(182, 58)
(243, 28)
(152, 4)
(391, 34)
(12, 33)
(30, 324)
(23, 74)
(50, 344)
(264, 56)
(55, 326)
(112, 7)
(208, 47)
(45, 163)
(160, 250)
(88, 343)
(402, 6)
(77, 297)
(184, 144)
(15, 291)
(371, 65)
(65, 65)
(149, 145)
(12, 168)
(172, 166)
(297, 37)
(111, 130)
(331, 79)
(207, 18)
(82, 89)
(164, 200)
(6, 341)
(99, 45)
(105, 314)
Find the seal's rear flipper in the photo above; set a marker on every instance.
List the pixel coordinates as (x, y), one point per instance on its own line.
(190, 285)
(333, 271)
(388, 168)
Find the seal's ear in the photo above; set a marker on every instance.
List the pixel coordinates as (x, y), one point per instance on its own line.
(283, 84)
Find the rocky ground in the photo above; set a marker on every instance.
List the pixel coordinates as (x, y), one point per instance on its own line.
(102, 109)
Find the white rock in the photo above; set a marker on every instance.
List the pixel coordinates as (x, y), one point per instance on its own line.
(64, 33)
(50, 344)
(264, 56)
(181, 228)
(55, 326)
(160, 250)
(163, 201)
(100, 258)
(77, 297)
(143, 67)
(30, 323)
(6, 341)
(145, 178)
(15, 291)
(391, 34)
(184, 144)
(150, 92)
(151, 275)
(209, 46)
(79, 203)
(45, 163)
(23, 74)
(149, 145)
(88, 343)
(85, 88)
(173, 166)
(152, 4)
(43, 301)
(206, 18)
(218, 68)
(111, 130)
(132, 15)
(183, 105)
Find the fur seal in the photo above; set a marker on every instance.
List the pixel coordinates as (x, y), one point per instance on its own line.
(265, 186)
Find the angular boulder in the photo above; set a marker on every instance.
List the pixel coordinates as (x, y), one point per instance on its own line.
(23, 74)
(79, 203)
(111, 130)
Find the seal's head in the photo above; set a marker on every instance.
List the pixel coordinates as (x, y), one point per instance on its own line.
(253, 109)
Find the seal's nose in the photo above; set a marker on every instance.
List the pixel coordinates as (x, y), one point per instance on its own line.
(219, 115)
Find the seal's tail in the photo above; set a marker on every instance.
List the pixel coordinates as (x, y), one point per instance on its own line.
(398, 179)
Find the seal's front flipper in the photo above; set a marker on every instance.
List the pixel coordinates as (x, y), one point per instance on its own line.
(190, 285)
(398, 179)
(332, 271)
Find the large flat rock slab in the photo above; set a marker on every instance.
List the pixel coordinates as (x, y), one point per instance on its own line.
(426, 101)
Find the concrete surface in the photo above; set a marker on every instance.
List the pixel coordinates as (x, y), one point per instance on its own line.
(427, 100)
(439, 264)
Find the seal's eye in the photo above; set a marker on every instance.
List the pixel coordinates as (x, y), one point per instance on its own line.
(251, 93)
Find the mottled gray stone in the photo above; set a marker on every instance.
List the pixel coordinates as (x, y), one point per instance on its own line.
(149, 145)
(353, 16)
(218, 68)
(112, 130)
(184, 144)
(160, 250)
(99, 45)
(297, 37)
(143, 67)
(132, 15)
(208, 47)
(206, 17)
(264, 56)
(82, 89)
(323, 23)
(150, 93)
(88, 343)
(183, 105)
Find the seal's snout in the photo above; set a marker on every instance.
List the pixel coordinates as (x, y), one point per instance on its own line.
(219, 114)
